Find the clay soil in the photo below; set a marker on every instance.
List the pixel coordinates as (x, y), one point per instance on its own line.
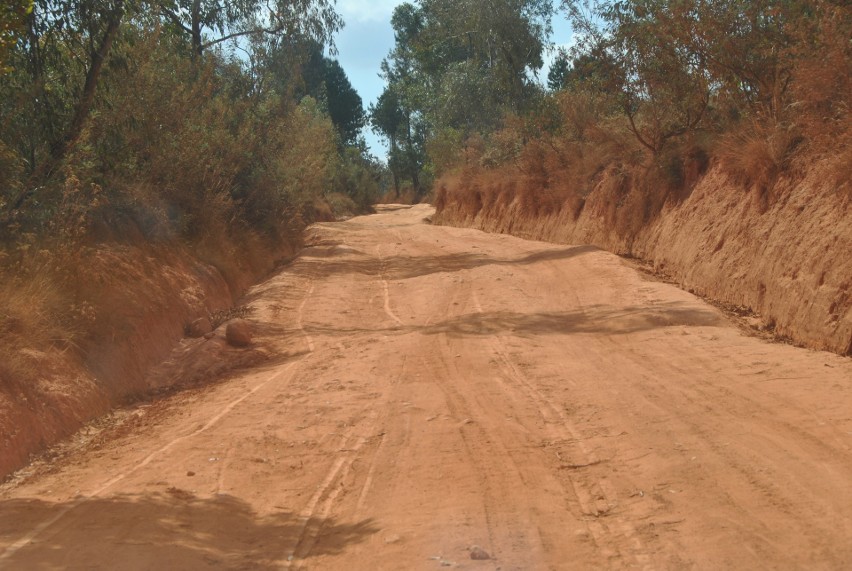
(432, 389)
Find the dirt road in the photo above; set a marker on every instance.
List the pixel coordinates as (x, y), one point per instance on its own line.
(433, 389)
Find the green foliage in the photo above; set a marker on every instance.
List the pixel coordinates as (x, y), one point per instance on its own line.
(208, 23)
(654, 93)
(584, 69)
(326, 81)
(56, 64)
(358, 177)
(504, 39)
(295, 67)
(394, 118)
(175, 147)
(13, 15)
(445, 150)
(680, 67)
(344, 104)
(456, 67)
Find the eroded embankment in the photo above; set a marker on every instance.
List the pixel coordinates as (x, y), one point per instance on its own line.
(140, 297)
(788, 259)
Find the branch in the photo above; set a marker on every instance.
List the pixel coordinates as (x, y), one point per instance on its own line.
(176, 19)
(270, 31)
(636, 132)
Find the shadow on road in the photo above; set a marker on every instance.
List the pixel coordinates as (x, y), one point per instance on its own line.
(593, 319)
(596, 319)
(172, 530)
(382, 208)
(320, 263)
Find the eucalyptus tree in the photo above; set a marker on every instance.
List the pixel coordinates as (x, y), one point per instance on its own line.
(211, 22)
(457, 65)
(497, 44)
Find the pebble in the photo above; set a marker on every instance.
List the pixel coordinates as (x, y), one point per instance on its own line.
(478, 554)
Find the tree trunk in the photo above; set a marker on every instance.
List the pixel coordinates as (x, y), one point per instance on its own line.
(197, 46)
(84, 106)
(412, 157)
(393, 166)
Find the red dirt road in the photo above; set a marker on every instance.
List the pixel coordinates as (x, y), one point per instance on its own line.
(437, 388)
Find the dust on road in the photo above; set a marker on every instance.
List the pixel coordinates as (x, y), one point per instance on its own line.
(444, 398)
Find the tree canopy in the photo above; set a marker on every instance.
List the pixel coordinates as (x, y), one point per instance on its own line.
(457, 66)
(210, 22)
(13, 16)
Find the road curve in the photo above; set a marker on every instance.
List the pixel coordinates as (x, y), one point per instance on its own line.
(432, 389)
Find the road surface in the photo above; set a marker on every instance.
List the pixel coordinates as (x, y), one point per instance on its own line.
(434, 389)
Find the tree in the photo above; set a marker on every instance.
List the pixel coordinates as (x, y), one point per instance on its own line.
(325, 80)
(58, 63)
(747, 46)
(671, 62)
(582, 69)
(557, 77)
(13, 15)
(661, 84)
(67, 44)
(211, 22)
(457, 66)
(398, 114)
(504, 38)
(387, 118)
(296, 67)
(344, 104)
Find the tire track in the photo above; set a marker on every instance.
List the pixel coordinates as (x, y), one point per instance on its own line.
(587, 495)
(315, 514)
(496, 469)
(313, 518)
(383, 264)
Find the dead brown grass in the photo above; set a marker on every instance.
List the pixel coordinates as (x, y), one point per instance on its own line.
(755, 154)
(38, 318)
(406, 196)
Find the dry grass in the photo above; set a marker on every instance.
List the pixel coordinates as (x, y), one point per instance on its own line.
(339, 206)
(406, 196)
(38, 321)
(755, 154)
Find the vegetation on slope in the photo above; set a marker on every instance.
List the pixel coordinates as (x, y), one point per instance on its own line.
(186, 136)
(711, 137)
(650, 95)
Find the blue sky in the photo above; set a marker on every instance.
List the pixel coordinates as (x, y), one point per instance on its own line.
(368, 37)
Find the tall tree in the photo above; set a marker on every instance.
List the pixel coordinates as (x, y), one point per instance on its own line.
(503, 38)
(344, 104)
(458, 65)
(661, 85)
(581, 69)
(671, 62)
(58, 63)
(295, 67)
(387, 119)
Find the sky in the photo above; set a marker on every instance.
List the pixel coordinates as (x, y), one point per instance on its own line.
(367, 39)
